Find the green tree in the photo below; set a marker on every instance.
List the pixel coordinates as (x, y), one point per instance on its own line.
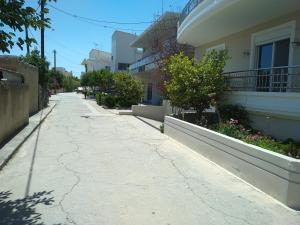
(101, 79)
(14, 17)
(42, 64)
(127, 89)
(70, 83)
(55, 79)
(193, 85)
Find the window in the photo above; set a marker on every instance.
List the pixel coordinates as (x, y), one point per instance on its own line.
(123, 66)
(272, 63)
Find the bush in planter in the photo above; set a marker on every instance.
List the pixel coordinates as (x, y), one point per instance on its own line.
(236, 112)
(127, 89)
(109, 101)
(193, 85)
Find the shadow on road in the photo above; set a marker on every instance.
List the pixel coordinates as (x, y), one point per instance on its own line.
(23, 211)
(33, 157)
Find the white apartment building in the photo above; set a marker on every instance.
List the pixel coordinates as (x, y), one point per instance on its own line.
(122, 53)
(98, 60)
(263, 41)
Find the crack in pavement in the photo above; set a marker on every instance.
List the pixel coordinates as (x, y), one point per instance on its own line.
(155, 148)
(73, 172)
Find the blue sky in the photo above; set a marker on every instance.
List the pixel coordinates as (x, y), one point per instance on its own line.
(74, 38)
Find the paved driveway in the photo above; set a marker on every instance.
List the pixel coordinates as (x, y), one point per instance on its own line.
(86, 165)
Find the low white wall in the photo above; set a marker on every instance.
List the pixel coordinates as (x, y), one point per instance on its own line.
(275, 174)
(149, 111)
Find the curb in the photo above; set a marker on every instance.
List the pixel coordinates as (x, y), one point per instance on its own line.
(12, 147)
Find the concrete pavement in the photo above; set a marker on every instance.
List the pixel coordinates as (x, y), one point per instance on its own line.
(86, 165)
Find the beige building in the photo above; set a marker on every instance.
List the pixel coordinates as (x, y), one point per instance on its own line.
(263, 41)
(157, 42)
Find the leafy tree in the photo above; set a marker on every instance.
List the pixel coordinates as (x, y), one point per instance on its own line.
(42, 64)
(193, 85)
(55, 79)
(14, 17)
(70, 83)
(127, 89)
(101, 79)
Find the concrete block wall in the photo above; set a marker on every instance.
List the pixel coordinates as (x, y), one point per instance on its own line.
(31, 78)
(14, 103)
(274, 174)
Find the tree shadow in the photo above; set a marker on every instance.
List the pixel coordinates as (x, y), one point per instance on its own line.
(23, 210)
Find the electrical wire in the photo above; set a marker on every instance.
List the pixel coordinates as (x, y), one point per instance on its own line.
(99, 21)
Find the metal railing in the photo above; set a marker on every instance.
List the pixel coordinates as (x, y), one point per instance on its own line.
(190, 6)
(141, 64)
(11, 77)
(275, 79)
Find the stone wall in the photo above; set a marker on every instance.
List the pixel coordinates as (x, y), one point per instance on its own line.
(31, 78)
(14, 104)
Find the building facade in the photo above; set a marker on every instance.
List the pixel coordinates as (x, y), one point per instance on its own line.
(98, 60)
(122, 53)
(263, 41)
(158, 41)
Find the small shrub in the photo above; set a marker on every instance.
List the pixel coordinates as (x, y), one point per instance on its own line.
(232, 129)
(235, 112)
(99, 98)
(162, 128)
(109, 101)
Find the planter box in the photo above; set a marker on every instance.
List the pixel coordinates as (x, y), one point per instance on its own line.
(274, 174)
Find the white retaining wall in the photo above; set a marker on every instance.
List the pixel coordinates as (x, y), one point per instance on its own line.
(275, 174)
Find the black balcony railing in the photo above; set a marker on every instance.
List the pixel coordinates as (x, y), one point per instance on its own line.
(190, 6)
(140, 65)
(275, 79)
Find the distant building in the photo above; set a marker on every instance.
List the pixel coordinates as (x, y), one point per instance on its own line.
(64, 71)
(122, 53)
(98, 60)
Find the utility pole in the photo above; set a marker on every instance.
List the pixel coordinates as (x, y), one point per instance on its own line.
(26, 39)
(42, 2)
(54, 52)
(162, 7)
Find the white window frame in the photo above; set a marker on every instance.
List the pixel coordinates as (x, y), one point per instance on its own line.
(273, 34)
(216, 48)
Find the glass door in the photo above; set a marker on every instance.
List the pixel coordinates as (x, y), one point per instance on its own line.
(273, 61)
(265, 61)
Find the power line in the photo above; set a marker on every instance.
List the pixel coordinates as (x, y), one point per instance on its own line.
(99, 21)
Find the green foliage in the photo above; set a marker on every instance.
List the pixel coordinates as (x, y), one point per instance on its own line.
(235, 112)
(233, 129)
(55, 79)
(127, 89)
(70, 83)
(162, 128)
(99, 98)
(196, 85)
(289, 147)
(14, 17)
(101, 79)
(42, 64)
(109, 101)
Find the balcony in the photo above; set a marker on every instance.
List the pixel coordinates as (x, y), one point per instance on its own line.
(190, 6)
(275, 79)
(144, 64)
(205, 21)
